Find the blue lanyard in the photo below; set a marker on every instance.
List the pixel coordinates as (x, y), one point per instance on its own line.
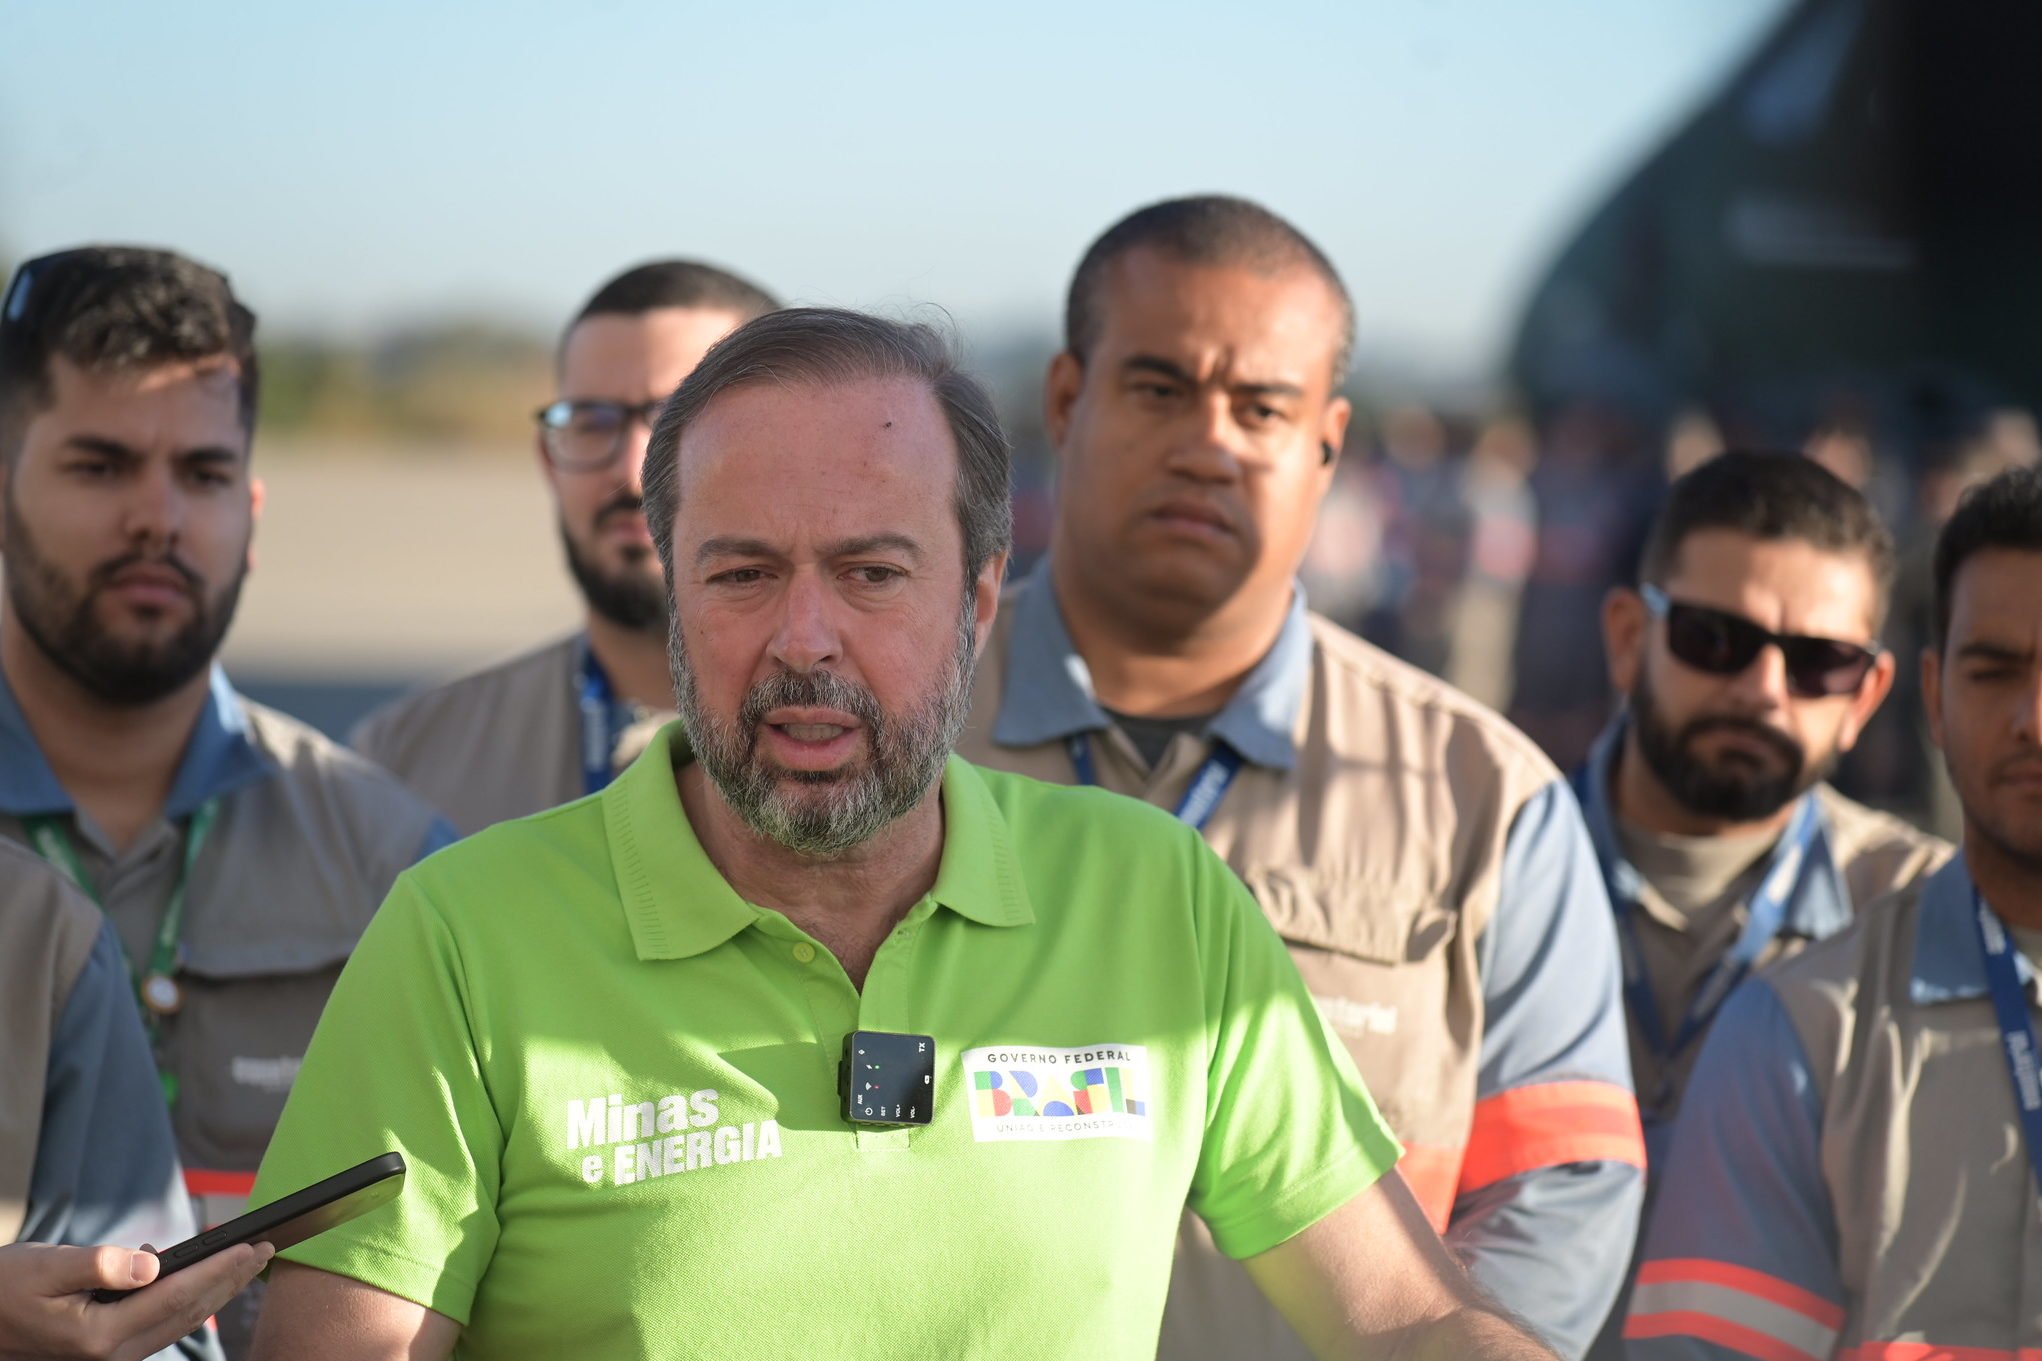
(598, 734)
(2016, 1030)
(1208, 786)
(1767, 914)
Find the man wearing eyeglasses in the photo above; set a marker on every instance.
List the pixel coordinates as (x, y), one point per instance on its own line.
(559, 722)
(1749, 663)
(1857, 1169)
(236, 852)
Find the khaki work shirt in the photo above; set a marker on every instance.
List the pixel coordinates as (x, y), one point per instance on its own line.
(306, 842)
(1428, 870)
(86, 1153)
(1848, 1176)
(506, 741)
(1858, 856)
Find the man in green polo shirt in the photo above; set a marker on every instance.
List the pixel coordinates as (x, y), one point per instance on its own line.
(607, 1038)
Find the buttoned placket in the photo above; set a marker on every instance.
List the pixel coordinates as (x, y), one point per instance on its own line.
(836, 1008)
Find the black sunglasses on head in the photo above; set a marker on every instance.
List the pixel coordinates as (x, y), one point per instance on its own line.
(22, 287)
(1724, 644)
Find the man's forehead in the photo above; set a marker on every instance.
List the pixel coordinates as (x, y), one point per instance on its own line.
(1286, 312)
(631, 343)
(1997, 596)
(1787, 584)
(777, 448)
(215, 376)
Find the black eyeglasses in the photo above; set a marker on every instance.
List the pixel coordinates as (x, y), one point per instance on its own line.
(584, 434)
(1724, 644)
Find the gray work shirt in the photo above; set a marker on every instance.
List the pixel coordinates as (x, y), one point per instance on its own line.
(307, 839)
(86, 1153)
(503, 742)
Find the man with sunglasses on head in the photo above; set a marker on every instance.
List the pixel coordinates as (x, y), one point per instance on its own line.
(559, 722)
(1857, 1168)
(1749, 662)
(236, 852)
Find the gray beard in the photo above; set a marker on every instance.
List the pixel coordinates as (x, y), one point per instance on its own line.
(906, 755)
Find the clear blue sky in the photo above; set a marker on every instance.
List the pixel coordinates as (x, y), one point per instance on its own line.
(357, 165)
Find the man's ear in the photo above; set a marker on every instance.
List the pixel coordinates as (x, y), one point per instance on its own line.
(1333, 429)
(1061, 388)
(1932, 694)
(1626, 624)
(258, 497)
(986, 600)
(1871, 694)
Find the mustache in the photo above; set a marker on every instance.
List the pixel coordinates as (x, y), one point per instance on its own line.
(1785, 747)
(811, 690)
(623, 503)
(102, 576)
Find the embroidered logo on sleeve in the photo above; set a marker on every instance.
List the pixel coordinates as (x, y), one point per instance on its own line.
(1098, 1092)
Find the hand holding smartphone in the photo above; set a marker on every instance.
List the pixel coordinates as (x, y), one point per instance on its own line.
(298, 1216)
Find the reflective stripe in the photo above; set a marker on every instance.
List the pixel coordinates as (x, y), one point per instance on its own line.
(1733, 1306)
(1549, 1124)
(1929, 1351)
(1709, 1328)
(218, 1196)
(1432, 1173)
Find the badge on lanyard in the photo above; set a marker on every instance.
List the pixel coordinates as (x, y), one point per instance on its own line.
(1202, 796)
(2016, 1027)
(1765, 916)
(598, 733)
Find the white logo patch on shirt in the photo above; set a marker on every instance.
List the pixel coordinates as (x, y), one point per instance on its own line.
(270, 1075)
(1019, 1091)
(1350, 1017)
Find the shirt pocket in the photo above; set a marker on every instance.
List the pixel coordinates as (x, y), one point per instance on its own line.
(237, 1041)
(1377, 961)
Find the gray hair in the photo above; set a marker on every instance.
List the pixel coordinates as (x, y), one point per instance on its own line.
(830, 345)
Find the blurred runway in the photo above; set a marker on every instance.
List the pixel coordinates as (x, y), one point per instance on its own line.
(377, 570)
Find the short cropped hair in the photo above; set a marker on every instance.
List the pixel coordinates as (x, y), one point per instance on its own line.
(1771, 497)
(829, 345)
(675, 283)
(1208, 229)
(2005, 512)
(116, 309)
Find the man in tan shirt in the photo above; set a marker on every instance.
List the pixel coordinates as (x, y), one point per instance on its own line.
(556, 723)
(1857, 1169)
(236, 852)
(1425, 863)
(1749, 661)
(86, 1153)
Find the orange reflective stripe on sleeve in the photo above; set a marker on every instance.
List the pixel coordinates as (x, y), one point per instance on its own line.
(1432, 1174)
(1549, 1124)
(1929, 1351)
(1732, 1306)
(218, 1196)
(202, 1183)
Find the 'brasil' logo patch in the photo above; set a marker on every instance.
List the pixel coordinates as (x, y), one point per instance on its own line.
(1021, 1092)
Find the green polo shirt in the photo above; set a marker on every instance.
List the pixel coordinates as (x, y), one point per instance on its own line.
(615, 1083)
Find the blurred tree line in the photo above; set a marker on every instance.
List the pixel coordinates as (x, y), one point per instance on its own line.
(460, 382)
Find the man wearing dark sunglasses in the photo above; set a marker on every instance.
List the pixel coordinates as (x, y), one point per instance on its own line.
(1749, 663)
(1857, 1170)
(558, 722)
(236, 852)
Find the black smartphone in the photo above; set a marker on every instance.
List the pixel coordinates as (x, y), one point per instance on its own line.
(293, 1219)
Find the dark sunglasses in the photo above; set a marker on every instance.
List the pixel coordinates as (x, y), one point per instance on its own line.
(585, 433)
(1724, 644)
